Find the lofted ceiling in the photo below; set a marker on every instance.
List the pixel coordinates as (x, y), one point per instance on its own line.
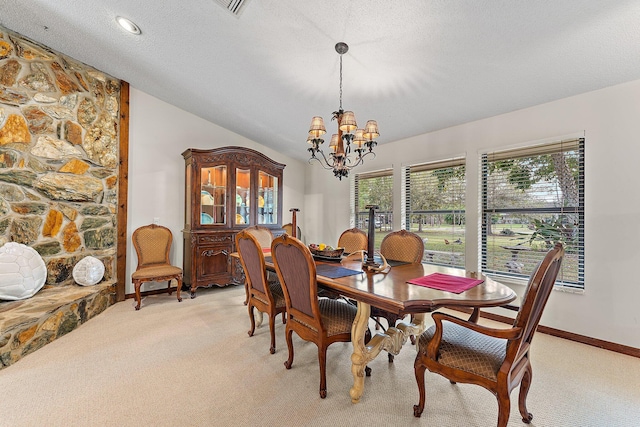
(415, 66)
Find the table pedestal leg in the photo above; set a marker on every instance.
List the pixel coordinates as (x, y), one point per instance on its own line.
(391, 341)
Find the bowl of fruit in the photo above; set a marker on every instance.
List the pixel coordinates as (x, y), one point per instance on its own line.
(325, 251)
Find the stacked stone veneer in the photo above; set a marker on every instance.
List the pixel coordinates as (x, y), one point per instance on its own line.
(59, 139)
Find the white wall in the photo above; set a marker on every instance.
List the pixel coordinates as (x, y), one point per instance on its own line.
(158, 134)
(610, 121)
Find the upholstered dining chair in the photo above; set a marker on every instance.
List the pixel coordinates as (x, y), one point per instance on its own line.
(263, 295)
(153, 244)
(322, 321)
(402, 246)
(263, 235)
(496, 359)
(288, 229)
(353, 240)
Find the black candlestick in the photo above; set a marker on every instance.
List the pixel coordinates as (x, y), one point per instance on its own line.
(371, 238)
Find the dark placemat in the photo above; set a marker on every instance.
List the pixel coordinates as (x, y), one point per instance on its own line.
(334, 271)
(446, 282)
(394, 263)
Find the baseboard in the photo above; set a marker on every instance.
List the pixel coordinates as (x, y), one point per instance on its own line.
(582, 339)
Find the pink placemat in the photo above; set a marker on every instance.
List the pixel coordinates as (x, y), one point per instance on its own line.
(446, 282)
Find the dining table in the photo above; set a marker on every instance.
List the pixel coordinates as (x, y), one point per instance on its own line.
(391, 291)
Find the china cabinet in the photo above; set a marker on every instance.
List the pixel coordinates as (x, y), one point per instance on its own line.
(226, 190)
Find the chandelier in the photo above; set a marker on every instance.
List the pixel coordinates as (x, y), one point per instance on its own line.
(341, 160)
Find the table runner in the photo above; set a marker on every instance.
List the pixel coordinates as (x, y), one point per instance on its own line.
(446, 282)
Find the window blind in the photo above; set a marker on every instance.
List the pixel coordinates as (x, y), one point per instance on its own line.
(374, 188)
(533, 197)
(435, 209)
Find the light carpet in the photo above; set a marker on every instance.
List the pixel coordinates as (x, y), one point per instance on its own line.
(193, 364)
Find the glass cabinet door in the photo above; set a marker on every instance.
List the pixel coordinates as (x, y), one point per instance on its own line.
(243, 196)
(213, 195)
(267, 198)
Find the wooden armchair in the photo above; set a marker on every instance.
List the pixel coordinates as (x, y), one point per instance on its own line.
(321, 321)
(496, 359)
(266, 296)
(353, 240)
(152, 244)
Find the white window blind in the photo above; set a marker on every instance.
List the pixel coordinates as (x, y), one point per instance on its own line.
(435, 209)
(374, 188)
(531, 198)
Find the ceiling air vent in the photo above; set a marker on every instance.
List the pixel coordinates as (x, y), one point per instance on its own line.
(233, 6)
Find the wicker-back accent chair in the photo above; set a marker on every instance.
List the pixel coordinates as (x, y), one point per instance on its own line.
(321, 321)
(402, 246)
(152, 244)
(496, 359)
(353, 240)
(266, 296)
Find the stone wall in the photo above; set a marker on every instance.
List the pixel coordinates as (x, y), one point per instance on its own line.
(59, 138)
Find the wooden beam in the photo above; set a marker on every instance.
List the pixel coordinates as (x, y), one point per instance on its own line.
(123, 184)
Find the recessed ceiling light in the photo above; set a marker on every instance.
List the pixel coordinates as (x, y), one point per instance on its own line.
(128, 25)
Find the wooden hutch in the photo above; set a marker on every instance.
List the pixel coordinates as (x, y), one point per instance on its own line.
(226, 190)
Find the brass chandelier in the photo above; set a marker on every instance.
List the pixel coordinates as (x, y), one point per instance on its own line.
(340, 159)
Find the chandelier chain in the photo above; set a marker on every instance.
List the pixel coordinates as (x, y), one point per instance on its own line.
(340, 82)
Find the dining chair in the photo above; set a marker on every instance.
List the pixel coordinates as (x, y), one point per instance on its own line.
(263, 235)
(288, 229)
(402, 246)
(353, 240)
(262, 294)
(322, 321)
(152, 244)
(496, 359)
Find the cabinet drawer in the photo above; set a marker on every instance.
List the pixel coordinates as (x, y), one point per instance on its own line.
(213, 239)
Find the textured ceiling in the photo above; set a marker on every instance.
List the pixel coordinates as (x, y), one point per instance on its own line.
(415, 66)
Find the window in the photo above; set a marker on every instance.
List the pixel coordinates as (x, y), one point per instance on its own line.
(374, 188)
(531, 198)
(434, 209)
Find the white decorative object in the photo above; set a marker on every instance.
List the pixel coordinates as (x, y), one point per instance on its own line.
(22, 271)
(88, 271)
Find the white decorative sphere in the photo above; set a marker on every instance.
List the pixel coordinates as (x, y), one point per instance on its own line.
(22, 271)
(88, 271)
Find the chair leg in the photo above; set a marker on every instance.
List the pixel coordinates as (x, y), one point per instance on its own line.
(136, 285)
(322, 360)
(253, 321)
(504, 408)
(289, 336)
(419, 369)
(522, 398)
(272, 332)
(179, 283)
(169, 290)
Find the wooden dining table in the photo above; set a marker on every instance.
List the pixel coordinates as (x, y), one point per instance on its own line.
(390, 291)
